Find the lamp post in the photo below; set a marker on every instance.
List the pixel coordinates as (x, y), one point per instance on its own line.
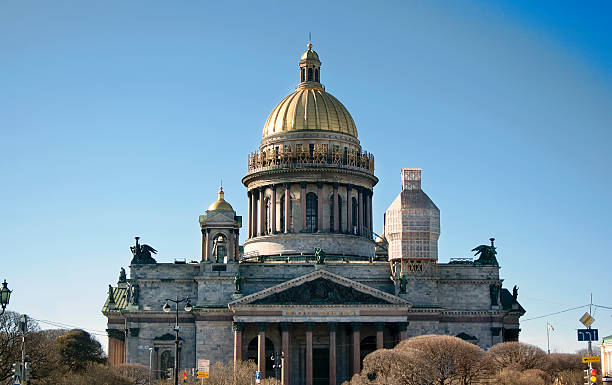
(150, 362)
(5, 296)
(167, 308)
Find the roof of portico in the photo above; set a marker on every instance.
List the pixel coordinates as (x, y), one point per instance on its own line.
(352, 293)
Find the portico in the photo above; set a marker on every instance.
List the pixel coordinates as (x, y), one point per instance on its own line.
(322, 323)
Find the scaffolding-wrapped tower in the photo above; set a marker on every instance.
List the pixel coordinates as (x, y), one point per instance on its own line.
(412, 224)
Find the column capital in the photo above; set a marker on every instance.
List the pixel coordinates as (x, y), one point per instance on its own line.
(380, 326)
(156, 348)
(309, 325)
(319, 184)
(261, 326)
(355, 326)
(402, 326)
(273, 186)
(349, 187)
(238, 326)
(287, 185)
(332, 326)
(303, 184)
(285, 326)
(335, 185)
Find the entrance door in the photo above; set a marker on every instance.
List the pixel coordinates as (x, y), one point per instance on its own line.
(320, 366)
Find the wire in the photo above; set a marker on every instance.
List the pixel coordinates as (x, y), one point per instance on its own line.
(63, 326)
(604, 307)
(555, 313)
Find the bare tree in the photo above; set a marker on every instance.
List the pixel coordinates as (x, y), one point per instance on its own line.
(509, 376)
(448, 359)
(518, 356)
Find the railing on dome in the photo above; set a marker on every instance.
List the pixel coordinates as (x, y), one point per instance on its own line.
(254, 257)
(287, 156)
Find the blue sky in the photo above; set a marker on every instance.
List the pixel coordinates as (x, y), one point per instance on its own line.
(120, 119)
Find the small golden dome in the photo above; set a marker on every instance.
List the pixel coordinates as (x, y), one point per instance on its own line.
(310, 54)
(310, 109)
(220, 204)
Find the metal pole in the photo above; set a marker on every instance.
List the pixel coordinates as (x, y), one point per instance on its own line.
(176, 344)
(548, 336)
(23, 332)
(150, 364)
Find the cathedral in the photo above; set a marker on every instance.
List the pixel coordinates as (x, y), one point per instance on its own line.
(312, 290)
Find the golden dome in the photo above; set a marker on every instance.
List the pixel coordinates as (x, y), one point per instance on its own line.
(220, 204)
(309, 54)
(310, 109)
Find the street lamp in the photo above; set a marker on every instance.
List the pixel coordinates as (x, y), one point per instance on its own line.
(167, 308)
(5, 296)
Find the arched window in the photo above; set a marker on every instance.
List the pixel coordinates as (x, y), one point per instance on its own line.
(166, 361)
(309, 74)
(354, 210)
(312, 215)
(302, 75)
(268, 216)
(282, 212)
(316, 75)
(220, 248)
(252, 354)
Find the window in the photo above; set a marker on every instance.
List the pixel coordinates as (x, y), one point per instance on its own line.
(309, 74)
(302, 77)
(268, 216)
(316, 75)
(312, 216)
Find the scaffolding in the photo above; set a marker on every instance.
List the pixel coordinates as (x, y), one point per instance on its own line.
(412, 227)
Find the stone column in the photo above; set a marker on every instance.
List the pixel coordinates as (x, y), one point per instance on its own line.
(320, 207)
(360, 212)
(207, 252)
(366, 211)
(273, 209)
(285, 377)
(236, 245)
(203, 245)
(237, 344)
(303, 204)
(356, 340)
(230, 246)
(336, 209)
(403, 330)
(156, 363)
(262, 213)
(380, 337)
(261, 349)
(250, 231)
(309, 326)
(287, 207)
(349, 210)
(371, 220)
(332, 353)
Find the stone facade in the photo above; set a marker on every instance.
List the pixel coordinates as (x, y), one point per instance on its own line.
(309, 284)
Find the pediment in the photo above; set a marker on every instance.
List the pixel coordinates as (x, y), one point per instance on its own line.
(320, 288)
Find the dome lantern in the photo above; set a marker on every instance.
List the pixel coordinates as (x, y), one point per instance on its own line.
(310, 68)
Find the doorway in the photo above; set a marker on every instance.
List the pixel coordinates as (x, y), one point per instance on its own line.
(320, 366)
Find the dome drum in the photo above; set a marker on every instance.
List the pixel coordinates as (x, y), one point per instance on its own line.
(315, 155)
(298, 244)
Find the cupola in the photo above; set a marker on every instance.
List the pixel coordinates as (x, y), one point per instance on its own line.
(310, 69)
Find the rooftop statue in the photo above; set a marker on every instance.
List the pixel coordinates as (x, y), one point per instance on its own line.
(320, 256)
(122, 276)
(238, 283)
(403, 282)
(487, 254)
(515, 293)
(142, 254)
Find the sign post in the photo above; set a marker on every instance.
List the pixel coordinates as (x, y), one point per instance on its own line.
(203, 369)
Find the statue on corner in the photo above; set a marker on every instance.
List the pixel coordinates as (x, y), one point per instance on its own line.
(142, 254)
(320, 256)
(487, 254)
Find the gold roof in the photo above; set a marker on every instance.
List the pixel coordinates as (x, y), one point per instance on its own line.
(309, 54)
(220, 204)
(310, 109)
